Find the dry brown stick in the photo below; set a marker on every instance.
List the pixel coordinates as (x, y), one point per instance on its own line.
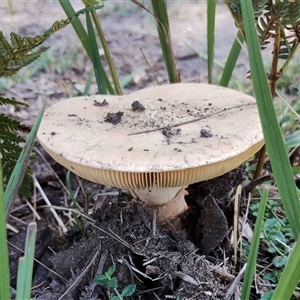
(150, 67)
(260, 162)
(36, 149)
(191, 121)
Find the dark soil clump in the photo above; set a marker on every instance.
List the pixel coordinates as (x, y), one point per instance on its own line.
(114, 118)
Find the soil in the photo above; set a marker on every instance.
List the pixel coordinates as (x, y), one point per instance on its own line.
(119, 232)
(192, 263)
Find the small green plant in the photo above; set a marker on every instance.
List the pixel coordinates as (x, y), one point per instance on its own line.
(108, 280)
(276, 242)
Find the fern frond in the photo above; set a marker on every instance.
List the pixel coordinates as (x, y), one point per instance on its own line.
(6, 101)
(8, 124)
(10, 149)
(258, 7)
(22, 50)
(5, 48)
(273, 18)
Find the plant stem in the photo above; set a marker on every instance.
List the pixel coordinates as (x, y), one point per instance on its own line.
(118, 294)
(107, 54)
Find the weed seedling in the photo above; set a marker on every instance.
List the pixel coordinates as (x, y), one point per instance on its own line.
(109, 281)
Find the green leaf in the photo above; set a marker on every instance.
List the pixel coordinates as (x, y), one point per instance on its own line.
(112, 283)
(84, 38)
(268, 295)
(271, 277)
(296, 170)
(231, 60)
(211, 14)
(251, 263)
(110, 271)
(108, 57)
(292, 140)
(101, 280)
(271, 250)
(128, 290)
(279, 261)
(25, 270)
(162, 24)
(98, 69)
(106, 279)
(4, 265)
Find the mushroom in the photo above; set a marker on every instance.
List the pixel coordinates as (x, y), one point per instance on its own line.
(185, 133)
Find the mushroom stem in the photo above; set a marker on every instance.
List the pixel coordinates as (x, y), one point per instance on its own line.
(169, 203)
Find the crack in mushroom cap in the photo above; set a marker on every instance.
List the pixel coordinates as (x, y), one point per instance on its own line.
(75, 134)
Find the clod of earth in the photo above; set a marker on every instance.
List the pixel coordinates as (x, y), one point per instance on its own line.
(137, 106)
(205, 133)
(98, 150)
(114, 118)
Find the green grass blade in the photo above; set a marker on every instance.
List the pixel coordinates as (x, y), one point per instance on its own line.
(88, 83)
(293, 139)
(109, 59)
(69, 187)
(232, 59)
(163, 29)
(25, 270)
(77, 25)
(211, 16)
(10, 6)
(251, 263)
(127, 79)
(296, 170)
(17, 175)
(98, 69)
(218, 65)
(273, 138)
(84, 38)
(290, 276)
(4, 265)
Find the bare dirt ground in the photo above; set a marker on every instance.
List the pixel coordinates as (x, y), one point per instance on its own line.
(191, 263)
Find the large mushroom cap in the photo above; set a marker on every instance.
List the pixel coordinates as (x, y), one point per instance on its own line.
(116, 141)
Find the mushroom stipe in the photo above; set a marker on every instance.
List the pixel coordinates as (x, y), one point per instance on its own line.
(132, 152)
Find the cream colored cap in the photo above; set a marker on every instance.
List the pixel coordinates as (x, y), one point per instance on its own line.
(220, 130)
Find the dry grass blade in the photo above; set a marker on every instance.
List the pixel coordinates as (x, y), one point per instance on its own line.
(234, 286)
(51, 169)
(237, 199)
(74, 210)
(57, 218)
(149, 65)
